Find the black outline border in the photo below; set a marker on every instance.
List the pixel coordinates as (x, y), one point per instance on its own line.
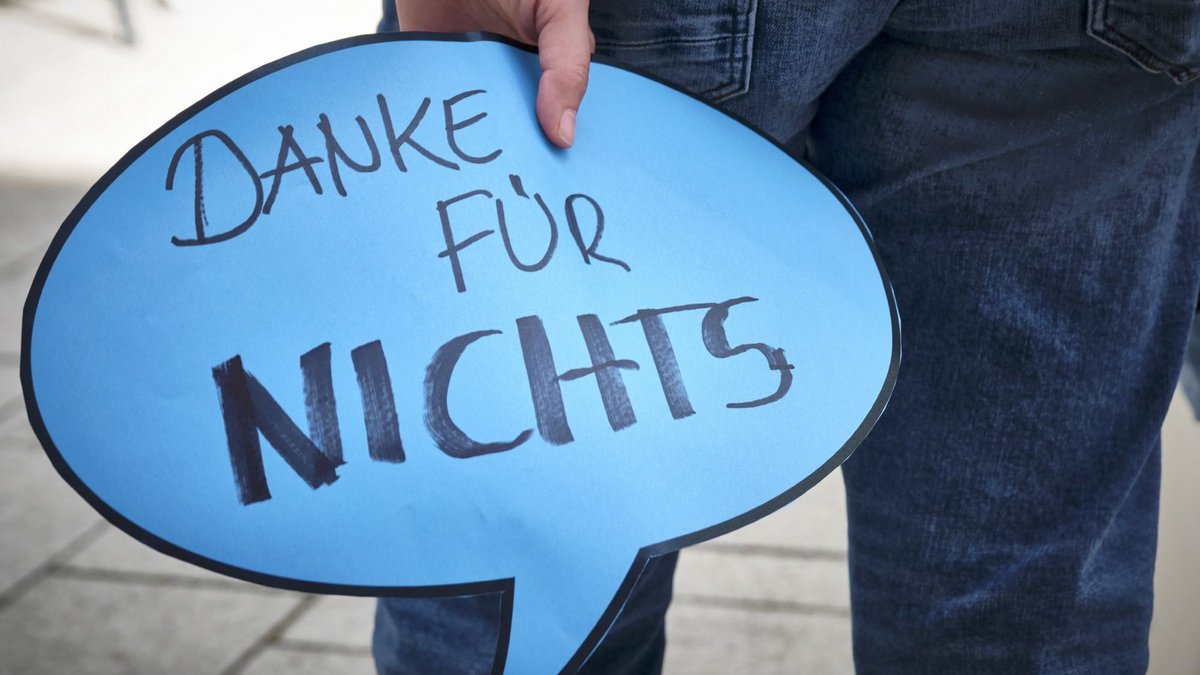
(504, 586)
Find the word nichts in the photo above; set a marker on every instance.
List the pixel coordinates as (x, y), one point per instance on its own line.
(399, 141)
(249, 409)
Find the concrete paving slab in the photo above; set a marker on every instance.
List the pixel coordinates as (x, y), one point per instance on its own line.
(87, 627)
(15, 432)
(33, 211)
(16, 275)
(711, 641)
(34, 207)
(10, 384)
(335, 620)
(306, 662)
(817, 520)
(39, 515)
(763, 580)
(116, 552)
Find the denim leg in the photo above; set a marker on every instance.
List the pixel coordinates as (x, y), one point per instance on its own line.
(637, 641)
(1029, 189)
(1033, 194)
(457, 635)
(418, 636)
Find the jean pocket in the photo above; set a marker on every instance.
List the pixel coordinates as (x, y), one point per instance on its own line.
(1161, 36)
(703, 46)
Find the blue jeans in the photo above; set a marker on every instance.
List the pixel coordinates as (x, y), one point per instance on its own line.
(1029, 171)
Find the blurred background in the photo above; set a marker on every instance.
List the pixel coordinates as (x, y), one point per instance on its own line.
(81, 82)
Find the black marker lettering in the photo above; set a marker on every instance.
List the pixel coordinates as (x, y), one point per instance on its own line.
(453, 248)
(201, 219)
(543, 382)
(248, 409)
(379, 405)
(405, 138)
(447, 436)
(335, 153)
(452, 127)
(717, 344)
(589, 251)
(663, 354)
(607, 371)
(288, 145)
(503, 221)
(241, 432)
(320, 404)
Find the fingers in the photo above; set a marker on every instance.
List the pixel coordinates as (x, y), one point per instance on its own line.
(565, 44)
(560, 29)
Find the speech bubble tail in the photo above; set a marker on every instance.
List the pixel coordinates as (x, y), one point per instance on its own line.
(559, 614)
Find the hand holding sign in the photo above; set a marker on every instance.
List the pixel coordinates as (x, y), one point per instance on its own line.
(559, 28)
(477, 362)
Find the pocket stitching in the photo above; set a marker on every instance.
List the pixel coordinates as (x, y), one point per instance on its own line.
(740, 50)
(1100, 29)
(633, 44)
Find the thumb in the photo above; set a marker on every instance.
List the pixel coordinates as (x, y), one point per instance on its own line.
(565, 46)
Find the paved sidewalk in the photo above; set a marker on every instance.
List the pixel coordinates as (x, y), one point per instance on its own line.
(79, 596)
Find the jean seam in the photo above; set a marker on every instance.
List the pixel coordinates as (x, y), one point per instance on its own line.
(1101, 29)
(740, 52)
(729, 79)
(717, 92)
(658, 42)
(729, 52)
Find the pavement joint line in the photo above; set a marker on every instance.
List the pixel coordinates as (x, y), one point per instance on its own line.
(761, 605)
(11, 268)
(10, 408)
(314, 647)
(84, 573)
(20, 444)
(56, 560)
(271, 637)
(771, 551)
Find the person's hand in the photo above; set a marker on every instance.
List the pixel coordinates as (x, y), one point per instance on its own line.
(559, 28)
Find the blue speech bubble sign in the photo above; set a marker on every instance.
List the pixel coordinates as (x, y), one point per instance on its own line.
(350, 325)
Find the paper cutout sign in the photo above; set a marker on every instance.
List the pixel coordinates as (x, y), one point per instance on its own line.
(351, 325)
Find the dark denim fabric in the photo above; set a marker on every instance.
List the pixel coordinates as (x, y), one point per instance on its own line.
(458, 635)
(1029, 171)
